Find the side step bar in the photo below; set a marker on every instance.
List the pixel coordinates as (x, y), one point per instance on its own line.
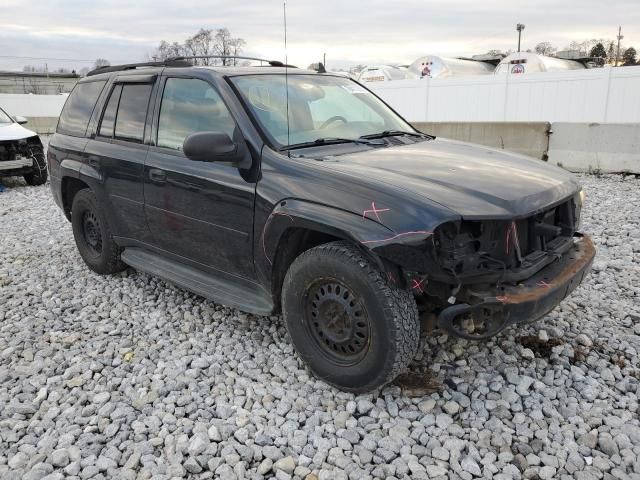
(244, 296)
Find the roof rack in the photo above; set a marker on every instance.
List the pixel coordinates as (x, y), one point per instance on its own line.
(271, 63)
(181, 61)
(170, 62)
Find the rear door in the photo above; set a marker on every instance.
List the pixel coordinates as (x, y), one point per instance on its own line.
(117, 153)
(201, 212)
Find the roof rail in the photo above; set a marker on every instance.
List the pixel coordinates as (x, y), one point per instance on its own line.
(182, 61)
(170, 62)
(271, 63)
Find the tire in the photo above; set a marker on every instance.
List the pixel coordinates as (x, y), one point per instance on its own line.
(38, 175)
(354, 330)
(93, 235)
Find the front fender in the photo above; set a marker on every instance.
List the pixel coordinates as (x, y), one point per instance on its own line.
(398, 247)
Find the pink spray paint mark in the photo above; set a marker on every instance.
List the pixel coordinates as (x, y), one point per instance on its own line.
(502, 299)
(544, 284)
(512, 235)
(375, 211)
(417, 285)
(403, 234)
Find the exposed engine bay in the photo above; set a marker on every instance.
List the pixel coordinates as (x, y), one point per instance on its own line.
(19, 154)
(478, 276)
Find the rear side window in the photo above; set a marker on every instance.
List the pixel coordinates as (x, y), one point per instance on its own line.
(79, 107)
(132, 111)
(109, 117)
(190, 105)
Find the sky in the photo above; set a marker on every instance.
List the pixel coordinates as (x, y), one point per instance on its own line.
(349, 32)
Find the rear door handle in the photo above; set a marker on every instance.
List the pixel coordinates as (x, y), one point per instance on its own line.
(158, 176)
(94, 161)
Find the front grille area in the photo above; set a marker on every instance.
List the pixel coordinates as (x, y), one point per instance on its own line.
(14, 149)
(471, 248)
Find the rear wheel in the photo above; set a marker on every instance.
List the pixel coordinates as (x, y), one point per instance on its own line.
(38, 176)
(93, 236)
(352, 329)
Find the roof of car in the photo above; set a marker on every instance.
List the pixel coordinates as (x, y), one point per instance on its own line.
(253, 70)
(218, 69)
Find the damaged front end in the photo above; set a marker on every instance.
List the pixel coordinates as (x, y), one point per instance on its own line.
(19, 157)
(476, 277)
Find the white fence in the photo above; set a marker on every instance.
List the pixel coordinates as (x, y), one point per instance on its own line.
(32, 105)
(599, 95)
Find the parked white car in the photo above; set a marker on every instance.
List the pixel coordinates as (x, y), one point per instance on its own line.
(21, 151)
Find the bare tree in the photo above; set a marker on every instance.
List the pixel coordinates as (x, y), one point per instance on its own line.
(545, 48)
(101, 62)
(237, 45)
(203, 43)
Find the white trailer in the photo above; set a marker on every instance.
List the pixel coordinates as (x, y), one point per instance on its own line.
(433, 66)
(384, 73)
(527, 62)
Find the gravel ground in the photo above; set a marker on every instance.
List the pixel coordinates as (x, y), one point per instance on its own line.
(129, 377)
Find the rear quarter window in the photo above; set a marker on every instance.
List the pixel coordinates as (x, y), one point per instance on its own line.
(79, 107)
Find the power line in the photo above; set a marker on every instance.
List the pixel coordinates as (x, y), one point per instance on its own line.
(49, 58)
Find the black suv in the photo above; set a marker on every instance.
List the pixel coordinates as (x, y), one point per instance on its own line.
(272, 188)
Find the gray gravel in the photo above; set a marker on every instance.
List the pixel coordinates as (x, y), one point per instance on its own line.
(129, 377)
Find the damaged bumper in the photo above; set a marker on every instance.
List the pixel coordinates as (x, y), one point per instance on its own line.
(527, 301)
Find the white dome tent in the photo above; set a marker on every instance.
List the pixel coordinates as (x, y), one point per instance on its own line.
(527, 62)
(384, 73)
(433, 66)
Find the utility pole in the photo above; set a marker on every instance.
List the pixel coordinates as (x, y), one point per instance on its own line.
(620, 37)
(519, 28)
(324, 59)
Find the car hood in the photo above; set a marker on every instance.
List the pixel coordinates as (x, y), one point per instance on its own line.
(14, 131)
(473, 181)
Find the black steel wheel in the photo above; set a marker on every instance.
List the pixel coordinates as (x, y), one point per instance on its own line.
(337, 321)
(92, 234)
(353, 329)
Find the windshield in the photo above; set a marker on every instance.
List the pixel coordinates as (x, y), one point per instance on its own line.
(4, 118)
(319, 107)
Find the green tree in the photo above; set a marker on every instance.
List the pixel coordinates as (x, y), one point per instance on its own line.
(629, 56)
(598, 50)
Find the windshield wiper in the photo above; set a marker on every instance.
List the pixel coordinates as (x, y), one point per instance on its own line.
(395, 133)
(331, 141)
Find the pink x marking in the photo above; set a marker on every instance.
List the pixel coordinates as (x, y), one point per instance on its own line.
(544, 284)
(417, 285)
(375, 211)
(502, 299)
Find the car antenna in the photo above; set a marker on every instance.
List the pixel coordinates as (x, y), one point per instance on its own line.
(286, 71)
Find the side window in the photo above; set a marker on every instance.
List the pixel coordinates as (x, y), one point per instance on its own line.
(79, 107)
(132, 111)
(109, 116)
(190, 105)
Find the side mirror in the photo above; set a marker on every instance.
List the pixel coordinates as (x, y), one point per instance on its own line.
(216, 147)
(20, 120)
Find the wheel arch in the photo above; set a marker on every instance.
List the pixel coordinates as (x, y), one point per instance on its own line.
(295, 226)
(69, 187)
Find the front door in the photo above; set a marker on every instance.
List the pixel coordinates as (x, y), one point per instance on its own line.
(200, 211)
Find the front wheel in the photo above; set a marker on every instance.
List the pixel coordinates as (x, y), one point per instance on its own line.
(38, 176)
(353, 329)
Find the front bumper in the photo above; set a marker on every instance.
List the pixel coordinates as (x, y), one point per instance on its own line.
(527, 301)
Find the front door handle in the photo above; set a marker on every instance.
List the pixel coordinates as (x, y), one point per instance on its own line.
(157, 176)
(94, 161)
